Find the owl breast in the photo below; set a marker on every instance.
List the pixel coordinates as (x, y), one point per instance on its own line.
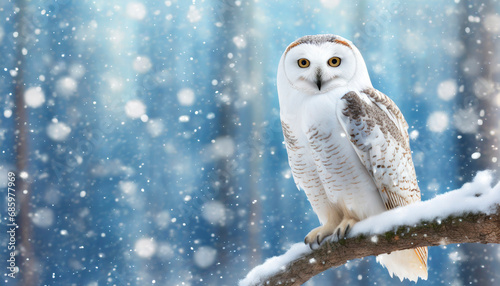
(324, 163)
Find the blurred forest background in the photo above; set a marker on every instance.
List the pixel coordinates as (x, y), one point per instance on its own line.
(147, 146)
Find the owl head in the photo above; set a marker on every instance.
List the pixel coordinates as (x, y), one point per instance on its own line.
(321, 63)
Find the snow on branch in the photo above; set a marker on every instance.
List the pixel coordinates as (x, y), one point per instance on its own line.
(470, 214)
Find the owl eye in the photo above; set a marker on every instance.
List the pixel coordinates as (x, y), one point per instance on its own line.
(303, 63)
(334, 62)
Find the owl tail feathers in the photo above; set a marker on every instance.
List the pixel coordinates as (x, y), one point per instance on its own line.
(410, 263)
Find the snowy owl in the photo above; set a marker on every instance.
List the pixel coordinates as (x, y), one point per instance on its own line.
(347, 143)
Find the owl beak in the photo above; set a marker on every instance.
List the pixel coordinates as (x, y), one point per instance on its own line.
(318, 83)
(318, 79)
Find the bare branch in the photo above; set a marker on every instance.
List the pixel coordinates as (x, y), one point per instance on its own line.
(466, 228)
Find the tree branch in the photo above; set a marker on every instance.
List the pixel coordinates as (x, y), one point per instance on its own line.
(471, 226)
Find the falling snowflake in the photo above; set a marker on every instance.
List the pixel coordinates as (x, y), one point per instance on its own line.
(194, 14)
(145, 247)
(205, 256)
(34, 97)
(142, 64)
(239, 42)
(186, 97)
(66, 86)
(330, 4)
(136, 10)
(447, 89)
(492, 23)
(58, 131)
(43, 217)
(155, 127)
(437, 121)
(135, 109)
(214, 212)
(465, 120)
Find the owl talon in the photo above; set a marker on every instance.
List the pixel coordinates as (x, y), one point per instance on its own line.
(335, 232)
(344, 227)
(318, 235)
(347, 229)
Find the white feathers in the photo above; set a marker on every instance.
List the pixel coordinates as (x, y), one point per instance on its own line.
(404, 264)
(347, 143)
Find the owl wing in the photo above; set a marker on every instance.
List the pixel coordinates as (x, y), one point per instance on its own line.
(378, 133)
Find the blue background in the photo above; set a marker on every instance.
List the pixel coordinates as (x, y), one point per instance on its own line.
(155, 148)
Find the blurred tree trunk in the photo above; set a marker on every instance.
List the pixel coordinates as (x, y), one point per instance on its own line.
(477, 74)
(227, 115)
(241, 169)
(26, 260)
(256, 137)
